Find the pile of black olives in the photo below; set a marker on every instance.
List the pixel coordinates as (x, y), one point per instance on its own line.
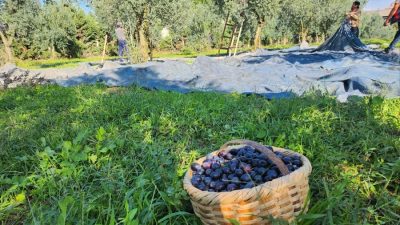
(239, 169)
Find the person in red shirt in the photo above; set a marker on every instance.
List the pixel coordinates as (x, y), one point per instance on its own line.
(394, 17)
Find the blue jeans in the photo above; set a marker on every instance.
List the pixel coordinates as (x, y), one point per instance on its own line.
(355, 31)
(122, 48)
(395, 40)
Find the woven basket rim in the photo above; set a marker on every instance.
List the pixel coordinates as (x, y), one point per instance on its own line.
(246, 194)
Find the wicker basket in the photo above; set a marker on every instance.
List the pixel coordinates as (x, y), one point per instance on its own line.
(283, 198)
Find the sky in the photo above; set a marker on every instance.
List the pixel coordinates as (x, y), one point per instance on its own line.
(378, 4)
(85, 7)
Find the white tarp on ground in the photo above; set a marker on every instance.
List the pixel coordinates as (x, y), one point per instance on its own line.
(273, 74)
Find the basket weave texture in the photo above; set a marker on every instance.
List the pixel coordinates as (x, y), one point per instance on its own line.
(282, 198)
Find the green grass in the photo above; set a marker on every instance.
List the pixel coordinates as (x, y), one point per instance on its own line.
(212, 52)
(383, 43)
(71, 63)
(377, 41)
(186, 54)
(97, 155)
(57, 63)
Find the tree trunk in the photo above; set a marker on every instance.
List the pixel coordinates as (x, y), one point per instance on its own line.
(143, 34)
(257, 38)
(132, 44)
(53, 52)
(131, 38)
(144, 44)
(285, 40)
(7, 47)
(9, 53)
(104, 48)
(303, 33)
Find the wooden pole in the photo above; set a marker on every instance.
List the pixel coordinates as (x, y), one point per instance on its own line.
(223, 34)
(231, 44)
(238, 39)
(104, 49)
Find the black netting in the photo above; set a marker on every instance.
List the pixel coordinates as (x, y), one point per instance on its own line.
(344, 39)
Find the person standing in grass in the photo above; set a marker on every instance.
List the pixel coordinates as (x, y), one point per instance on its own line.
(354, 17)
(122, 44)
(394, 17)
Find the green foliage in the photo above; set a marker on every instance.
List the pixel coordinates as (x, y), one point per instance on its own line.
(191, 25)
(97, 155)
(89, 34)
(311, 18)
(59, 28)
(372, 27)
(57, 63)
(303, 16)
(56, 28)
(264, 9)
(18, 19)
(201, 29)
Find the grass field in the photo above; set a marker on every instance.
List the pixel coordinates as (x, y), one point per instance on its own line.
(384, 43)
(97, 155)
(70, 63)
(57, 63)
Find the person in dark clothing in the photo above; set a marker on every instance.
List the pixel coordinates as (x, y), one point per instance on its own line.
(122, 44)
(354, 17)
(394, 17)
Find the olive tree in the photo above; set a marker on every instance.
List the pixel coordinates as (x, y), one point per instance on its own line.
(141, 17)
(17, 21)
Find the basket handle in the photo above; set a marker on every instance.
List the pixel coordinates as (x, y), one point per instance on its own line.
(277, 161)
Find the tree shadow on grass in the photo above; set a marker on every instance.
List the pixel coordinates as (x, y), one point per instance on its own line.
(57, 64)
(344, 142)
(29, 112)
(134, 168)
